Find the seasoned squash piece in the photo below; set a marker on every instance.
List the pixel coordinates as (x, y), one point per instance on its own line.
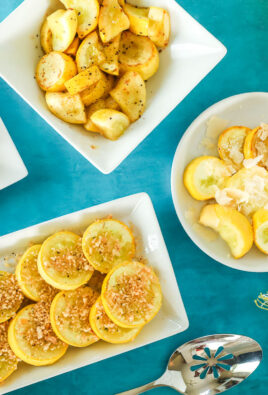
(112, 20)
(46, 37)
(63, 25)
(69, 316)
(106, 243)
(204, 176)
(72, 49)
(98, 105)
(138, 18)
(8, 360)
(31, 337)
(256, 145)
(28, 277)
(230, 145)
(131, 294)
(90, 52)
(96, 91)
(111, 103)
(11, 296)
(53, 70)
(61, 261)
(139, 54)
(111, 123)
(69, 108)
(106, 329)
(130, 94)
(83, 80)
(88, 14)
(111, 51)
(159, 26)
(233, 227)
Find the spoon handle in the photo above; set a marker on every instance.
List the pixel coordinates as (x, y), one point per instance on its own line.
(143, 388)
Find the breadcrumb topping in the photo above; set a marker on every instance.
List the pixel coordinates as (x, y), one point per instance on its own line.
(37, 330)
(106, 244)
(6, 354)
(11, 296)
(69, 260)
(132, 296)
(76, 311)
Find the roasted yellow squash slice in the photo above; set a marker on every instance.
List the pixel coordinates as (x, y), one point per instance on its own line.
(233, 227)
(11, 296)
(8, 360)
(159, 26)
(53, 70)
(97, 91)
(85, 79)
(46, 37)
(63, 26)
(61, 261)
(69, 108)
(111, 51)
(87, 14)
(204, 175)
(106, 243)
(139, 54)
(112, 20)
(90, 52)
(130, 94)
(31, 337)
(73, 48)
(131, 294)
(138, 18)
(98, 105)
(256, 145)
(111, 123)
(106, 329)
(69, 315)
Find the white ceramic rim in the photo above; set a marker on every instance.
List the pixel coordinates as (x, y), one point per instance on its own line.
(210, 111)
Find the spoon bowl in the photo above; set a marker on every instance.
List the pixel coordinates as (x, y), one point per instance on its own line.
(208, 365)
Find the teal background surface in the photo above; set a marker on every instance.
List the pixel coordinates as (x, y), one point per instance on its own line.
(217, 298)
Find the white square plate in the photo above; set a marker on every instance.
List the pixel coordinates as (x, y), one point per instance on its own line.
(12, 168)
(190, 45)
(137, 211)
(248, 109)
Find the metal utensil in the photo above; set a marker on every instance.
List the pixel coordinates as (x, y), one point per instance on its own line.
(208, 365)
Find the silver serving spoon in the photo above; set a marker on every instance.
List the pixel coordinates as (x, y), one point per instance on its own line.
(208, 365)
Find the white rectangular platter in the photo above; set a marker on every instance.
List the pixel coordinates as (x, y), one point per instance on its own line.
(192, 53)
(137, 211)
(12, 168)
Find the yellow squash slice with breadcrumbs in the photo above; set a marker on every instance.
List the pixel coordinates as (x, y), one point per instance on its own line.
(131, 294)
(53, 70)
(11, 296)
(231, 145)
(106, 243)
(61, 261)
(8, 360)
(130, 94)
(87, 15)
(233, 227)
(69, 315)
(112, 20)
(28, 277)
(139, 54)
(260, 227)
(204, 175)
(106, 329)
(69, 108)
(63, 25)
(31, 337)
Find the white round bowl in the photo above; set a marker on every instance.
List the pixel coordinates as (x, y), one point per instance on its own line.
(248, 109)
